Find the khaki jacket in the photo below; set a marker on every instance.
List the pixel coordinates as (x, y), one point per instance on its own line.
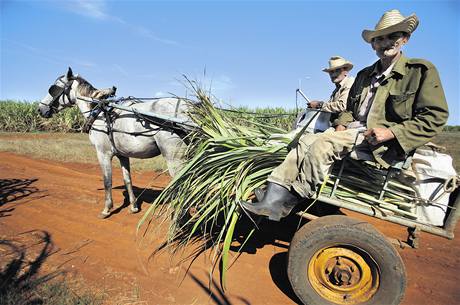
(338, 100)
(410, 102)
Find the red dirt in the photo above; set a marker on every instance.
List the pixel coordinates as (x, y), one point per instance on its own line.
(59, 203)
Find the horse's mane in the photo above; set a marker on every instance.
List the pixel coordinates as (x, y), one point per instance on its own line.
(85, 88)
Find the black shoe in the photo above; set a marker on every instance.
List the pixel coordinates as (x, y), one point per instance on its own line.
(277, 202)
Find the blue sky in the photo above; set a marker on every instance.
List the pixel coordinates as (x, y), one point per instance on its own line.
(253, 53)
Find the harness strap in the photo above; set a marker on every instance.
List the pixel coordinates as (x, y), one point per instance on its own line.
(162, 124)
(177, 108)
(91, 118)
(109, 123)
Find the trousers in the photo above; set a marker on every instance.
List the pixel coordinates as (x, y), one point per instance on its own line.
(306, 165)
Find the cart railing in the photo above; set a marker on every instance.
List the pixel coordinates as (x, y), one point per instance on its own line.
(447, 230)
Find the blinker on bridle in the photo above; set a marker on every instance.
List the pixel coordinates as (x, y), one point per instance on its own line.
(56, 92)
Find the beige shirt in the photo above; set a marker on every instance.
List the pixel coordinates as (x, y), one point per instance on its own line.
(377, 79)
(338, 100)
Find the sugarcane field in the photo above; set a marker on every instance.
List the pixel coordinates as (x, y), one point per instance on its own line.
(259, 152)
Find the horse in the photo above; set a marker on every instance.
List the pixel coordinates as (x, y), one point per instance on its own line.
(120, 133)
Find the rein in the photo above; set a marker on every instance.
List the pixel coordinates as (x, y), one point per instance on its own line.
(103, 108)
(259, 115)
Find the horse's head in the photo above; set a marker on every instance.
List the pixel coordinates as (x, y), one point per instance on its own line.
(65, 92)
(60, 95)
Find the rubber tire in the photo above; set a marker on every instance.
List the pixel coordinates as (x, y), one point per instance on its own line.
(336, 230)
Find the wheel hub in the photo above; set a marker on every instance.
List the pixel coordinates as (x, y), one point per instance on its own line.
(343, 271)
(343, 275)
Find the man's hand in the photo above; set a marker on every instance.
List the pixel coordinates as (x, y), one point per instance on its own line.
(378, 135)
(315, 104)
(340, 128)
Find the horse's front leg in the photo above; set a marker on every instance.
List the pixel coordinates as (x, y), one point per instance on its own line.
(125, 168)
(105, 161)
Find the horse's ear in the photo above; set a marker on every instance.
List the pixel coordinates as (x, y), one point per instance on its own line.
(69, 73)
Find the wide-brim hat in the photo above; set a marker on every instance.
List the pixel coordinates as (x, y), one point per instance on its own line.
(391, 22)
(336, 62)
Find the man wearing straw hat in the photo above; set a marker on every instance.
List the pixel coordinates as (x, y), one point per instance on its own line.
(398, 102)
(338, 72)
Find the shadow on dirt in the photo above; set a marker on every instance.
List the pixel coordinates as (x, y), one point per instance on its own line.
(15, 189)
(267, 232)
(280, 235)
(144, 196)
(278, 272)
(215, 293)
(21, 261)
(276, 233)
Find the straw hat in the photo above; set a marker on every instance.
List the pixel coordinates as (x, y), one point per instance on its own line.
(391, 22)
(336, 62)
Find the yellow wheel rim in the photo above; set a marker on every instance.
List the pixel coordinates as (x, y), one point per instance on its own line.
(343, 275)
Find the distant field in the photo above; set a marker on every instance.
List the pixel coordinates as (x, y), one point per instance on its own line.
(76, 147)
(65, 147)
(451, 140)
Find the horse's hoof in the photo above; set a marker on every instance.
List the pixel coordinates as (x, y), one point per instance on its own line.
(103, 215)
(134, 211)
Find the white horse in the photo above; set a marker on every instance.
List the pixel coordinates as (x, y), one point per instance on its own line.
(120, 133)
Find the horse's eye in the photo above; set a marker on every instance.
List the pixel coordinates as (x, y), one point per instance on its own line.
(55, 90)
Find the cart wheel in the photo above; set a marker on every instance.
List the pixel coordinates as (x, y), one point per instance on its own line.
(339, 260)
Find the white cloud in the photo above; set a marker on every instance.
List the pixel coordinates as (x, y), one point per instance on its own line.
(92, 8)
(98, 9)
(142, 31)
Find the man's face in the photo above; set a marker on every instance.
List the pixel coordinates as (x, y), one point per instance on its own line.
(338, 75)
(388, 46)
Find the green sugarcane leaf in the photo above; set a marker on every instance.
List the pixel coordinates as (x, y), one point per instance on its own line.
(226, 247)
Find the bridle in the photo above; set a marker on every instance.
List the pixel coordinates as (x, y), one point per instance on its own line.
(57, 92)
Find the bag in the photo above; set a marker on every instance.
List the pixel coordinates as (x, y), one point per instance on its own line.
(432, 169)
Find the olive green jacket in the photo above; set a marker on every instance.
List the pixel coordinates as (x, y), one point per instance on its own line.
(410, 102)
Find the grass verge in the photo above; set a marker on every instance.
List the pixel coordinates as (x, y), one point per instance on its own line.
(450, 141)
(65, 147)
(76, 147)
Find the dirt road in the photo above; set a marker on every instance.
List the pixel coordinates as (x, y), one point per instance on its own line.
(51, 209)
